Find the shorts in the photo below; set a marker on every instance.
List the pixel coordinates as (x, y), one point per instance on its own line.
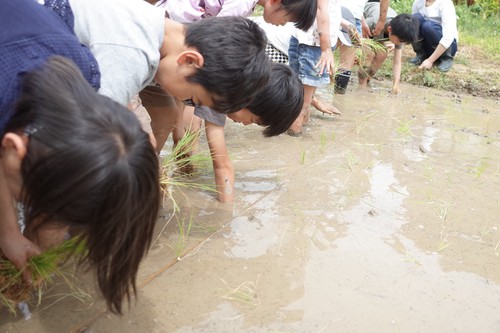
(359, 27)
(155, 96)
(303, 58)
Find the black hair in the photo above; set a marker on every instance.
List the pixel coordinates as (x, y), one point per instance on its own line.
(90, 165)
(405, 27)
(280, 102)
(235, 65)
(303, 12)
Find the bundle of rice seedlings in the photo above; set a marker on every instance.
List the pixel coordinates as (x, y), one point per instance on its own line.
(44, 268)
(181, 165)
(368, 47)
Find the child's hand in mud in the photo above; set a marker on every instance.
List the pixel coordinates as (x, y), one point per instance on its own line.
(186, 169)
(325, 108)
(395, 90)
(427, 64)
(18, 249)
(183, 165)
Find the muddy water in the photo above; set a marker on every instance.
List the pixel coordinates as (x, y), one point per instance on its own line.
(386, 219)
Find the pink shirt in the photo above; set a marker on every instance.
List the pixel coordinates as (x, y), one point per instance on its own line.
(195, 10)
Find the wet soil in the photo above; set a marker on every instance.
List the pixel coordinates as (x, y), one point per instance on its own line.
(386, 219)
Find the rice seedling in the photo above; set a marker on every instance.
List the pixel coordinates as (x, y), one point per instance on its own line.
(303, 154)
(404, 128)
(43, 268)
(322, 142)
(180, 167)
(363, 122)
(478, 169)
(411, 258)
(204, 228)
(369, 48)
(184, 228)
(244, 293)
(77, 293)
(442, 211)
(442, 246)
(351, 161)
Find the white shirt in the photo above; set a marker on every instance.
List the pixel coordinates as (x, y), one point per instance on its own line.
(311, 37)
(125, 37)
(443, 13)
(356, 7)
(277, 35)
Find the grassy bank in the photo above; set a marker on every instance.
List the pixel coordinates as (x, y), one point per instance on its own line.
(478, 58)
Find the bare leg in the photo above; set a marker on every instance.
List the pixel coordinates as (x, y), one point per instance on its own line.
(163, 122)
(365, 65)
(347, 58)
(372, 64)
(296, 128)
(378, 61)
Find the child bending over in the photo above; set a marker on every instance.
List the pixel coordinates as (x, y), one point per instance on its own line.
(275, 108)
(77, 159)
(399, 30)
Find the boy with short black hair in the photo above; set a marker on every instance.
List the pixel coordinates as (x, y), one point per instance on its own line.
(217, 62)
(399, 30)
(276, 107)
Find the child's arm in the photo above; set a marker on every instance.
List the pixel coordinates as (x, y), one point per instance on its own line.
(396, 70)
(323, 22)
(427, 64)
(15, 247)
(223, 167)
(379, 27)
(365, 28)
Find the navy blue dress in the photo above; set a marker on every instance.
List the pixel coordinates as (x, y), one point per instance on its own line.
(29, 34)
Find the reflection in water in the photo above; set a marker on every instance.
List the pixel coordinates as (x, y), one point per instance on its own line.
(376, 275)
(254, 235)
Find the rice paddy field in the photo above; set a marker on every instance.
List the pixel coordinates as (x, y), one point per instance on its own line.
(384, 219)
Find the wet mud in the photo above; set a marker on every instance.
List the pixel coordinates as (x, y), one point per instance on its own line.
(386, 219)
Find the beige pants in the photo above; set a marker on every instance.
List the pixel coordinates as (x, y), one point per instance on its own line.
(142, 114)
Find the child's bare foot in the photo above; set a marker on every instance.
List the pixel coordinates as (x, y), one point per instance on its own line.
(325, 108)
(363, 84)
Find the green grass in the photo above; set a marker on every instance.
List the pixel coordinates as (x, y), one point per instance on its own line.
(476, 30)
